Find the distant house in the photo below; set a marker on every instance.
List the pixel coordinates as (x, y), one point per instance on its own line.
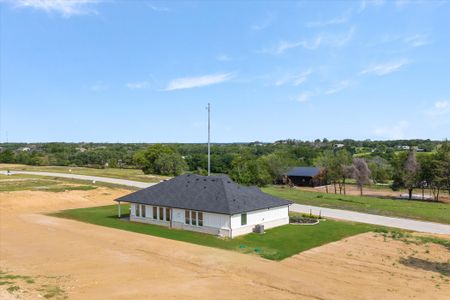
(305, 176)
(208, 204)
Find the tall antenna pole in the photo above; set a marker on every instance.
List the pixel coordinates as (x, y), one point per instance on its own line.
(209, 139)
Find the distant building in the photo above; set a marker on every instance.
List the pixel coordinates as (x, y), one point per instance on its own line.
(338, 145)
(305, 176)
(24, 149)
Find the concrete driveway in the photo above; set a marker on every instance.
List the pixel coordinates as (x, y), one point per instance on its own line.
(421, 226)
(402, 223)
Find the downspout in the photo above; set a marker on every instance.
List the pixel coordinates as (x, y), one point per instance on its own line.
(231, 230)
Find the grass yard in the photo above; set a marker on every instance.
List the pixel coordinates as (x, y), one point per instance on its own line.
(22, 182)
(129, 174)
(276, 244)
(427, 211)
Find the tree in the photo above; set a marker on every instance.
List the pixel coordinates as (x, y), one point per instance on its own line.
(443, 155)
(169, 164)
(343, 159)
(7, 157)
(155, 159)
(380, 168)
(250, 171)
(278, 164)
(360, 172)
(410, 174)
(335, 164)
(328, 162)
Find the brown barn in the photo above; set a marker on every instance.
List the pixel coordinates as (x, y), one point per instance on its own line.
(305, 176)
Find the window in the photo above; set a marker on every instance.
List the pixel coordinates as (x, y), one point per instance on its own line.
(167, 214)
(161, 213)
(143, 210)
(187, 217)
(200, 218)
(137, 207)
(243, 219)
(194, 217)
(155, 212)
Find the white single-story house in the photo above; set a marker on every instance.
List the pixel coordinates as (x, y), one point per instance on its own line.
(208, 204)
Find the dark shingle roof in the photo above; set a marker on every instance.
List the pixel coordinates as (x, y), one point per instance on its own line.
(218, 194)
(304, 171)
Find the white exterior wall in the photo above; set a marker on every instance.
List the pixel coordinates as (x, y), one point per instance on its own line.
(209, 219)
(148, 215)
(221, 224)
(270, 218)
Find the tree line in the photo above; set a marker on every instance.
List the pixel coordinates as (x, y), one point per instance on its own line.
(406, 164)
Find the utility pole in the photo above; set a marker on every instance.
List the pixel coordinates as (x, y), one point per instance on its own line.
(209, 139)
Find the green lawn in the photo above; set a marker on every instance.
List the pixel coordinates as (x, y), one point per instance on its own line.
(130, 174)
(427, 211)
(25, 182)
(276, 244)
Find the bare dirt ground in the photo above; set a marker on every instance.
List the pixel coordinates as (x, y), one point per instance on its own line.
(376, 192)
(86, 261)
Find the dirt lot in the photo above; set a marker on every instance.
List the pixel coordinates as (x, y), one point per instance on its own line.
(83, 261)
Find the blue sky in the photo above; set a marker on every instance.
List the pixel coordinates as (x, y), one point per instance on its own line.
(143, 71)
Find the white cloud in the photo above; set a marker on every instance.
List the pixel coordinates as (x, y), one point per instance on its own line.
(385, 68)
(303, 97)
(334, 40)
(293, 79)
(223, 57)
(267, 22)
(441, 104)
(396, 131)
(137, 85)
(366, 3)
(200, 81)
(98, 87)
(439, 108)
(66, 8)
(340, 86)
(329, 22)
(158, 8)
(417, 40)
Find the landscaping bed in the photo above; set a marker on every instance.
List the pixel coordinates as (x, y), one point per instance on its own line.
(300, 220)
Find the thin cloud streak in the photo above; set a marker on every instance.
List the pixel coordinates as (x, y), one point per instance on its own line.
(199, 81)
(267, 22)
(66, 8)
(293, 79)
(340, 86)
(335, 21)
(385, 68)
(366, 3)
(137, 85)
(158, 8)
(337, 41)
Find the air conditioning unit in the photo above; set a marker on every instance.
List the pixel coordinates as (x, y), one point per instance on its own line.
(258, 229)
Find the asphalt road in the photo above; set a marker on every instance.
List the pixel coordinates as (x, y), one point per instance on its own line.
(421, 226)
